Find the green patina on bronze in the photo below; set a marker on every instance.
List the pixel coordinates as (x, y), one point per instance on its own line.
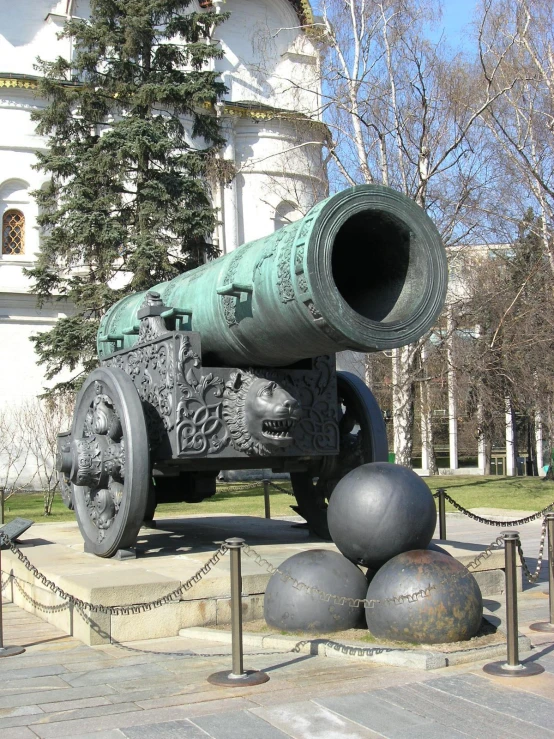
(363, 270)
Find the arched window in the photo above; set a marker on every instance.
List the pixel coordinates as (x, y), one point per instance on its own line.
(13, 232)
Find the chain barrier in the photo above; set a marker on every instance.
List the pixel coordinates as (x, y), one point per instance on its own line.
(490, 522)
(486, 553)
(115, 610)
(280, 488)
(36, 604)
(532, 577)
(230, 489)
(454, 503)
(260, 561)
(191, 653)
(342, 600)
(249, 552)
(4, 583)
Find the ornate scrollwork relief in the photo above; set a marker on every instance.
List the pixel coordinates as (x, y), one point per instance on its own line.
(151, 366)
(200, 428)
(230, 301)
(98, 461)
(151, 326)
(284, 279)
(317, 430)
(89, 457)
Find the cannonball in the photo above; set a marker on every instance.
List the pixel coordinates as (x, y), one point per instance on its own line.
(451, 612)
(379, 510)
(292, 609)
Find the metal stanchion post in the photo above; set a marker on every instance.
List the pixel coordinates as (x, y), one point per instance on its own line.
(266, 499)
(512, 667)
(442, 514)
(238, 676)
(5, 651)
(543, 625)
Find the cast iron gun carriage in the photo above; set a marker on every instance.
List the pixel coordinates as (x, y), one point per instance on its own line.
(232, 366)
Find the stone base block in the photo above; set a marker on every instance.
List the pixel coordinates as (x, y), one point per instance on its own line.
(166, 558)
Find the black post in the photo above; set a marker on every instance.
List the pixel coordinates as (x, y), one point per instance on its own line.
(442, 514)
(510, 543)
(266, 499)
(238, 675)
(543, 625)
(5, 651)
(512, 667)
(2, 504)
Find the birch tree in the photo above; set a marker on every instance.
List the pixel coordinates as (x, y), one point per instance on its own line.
(516, 53)
(402, 112)
(508, 318)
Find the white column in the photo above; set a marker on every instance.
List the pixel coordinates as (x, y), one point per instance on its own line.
(452, 399)
(538, 442)
(228, 202)
(510, 448)
(481, 442)
(229, 195)
(424, 413)
(481, 445)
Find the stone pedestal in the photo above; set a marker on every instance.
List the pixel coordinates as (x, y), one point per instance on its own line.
(166, 557)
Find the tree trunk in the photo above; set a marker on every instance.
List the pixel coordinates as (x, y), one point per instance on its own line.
(428, 457)
(403, 392)
(488, 455)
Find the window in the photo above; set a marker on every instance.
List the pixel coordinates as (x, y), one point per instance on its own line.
(13, 232)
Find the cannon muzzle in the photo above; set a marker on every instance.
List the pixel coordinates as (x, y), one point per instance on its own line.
(364, 270)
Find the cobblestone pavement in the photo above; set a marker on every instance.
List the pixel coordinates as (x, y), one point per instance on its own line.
(158, 688)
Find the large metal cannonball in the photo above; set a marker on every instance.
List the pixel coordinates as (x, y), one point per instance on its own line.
(379, 510)
(292, 609)
(451, 612)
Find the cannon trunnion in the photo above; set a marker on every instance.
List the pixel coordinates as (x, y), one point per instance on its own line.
(231, 366)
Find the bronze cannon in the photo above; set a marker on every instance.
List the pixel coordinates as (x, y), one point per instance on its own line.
(232, 366)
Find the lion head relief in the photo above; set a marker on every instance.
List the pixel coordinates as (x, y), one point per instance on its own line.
(260, 414)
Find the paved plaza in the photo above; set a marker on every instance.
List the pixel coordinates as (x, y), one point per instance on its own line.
(158, 687)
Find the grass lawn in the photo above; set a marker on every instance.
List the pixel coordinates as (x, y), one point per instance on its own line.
(246, 503)
(520, 493)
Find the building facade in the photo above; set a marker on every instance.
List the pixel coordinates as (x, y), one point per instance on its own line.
(270, 118)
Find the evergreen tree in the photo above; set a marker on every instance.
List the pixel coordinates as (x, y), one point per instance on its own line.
(131, 147)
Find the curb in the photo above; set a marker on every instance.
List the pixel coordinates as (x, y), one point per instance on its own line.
(411, 658)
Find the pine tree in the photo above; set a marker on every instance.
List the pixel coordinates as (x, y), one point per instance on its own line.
(132, 142)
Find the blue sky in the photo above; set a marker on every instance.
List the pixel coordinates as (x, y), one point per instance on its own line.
(456, 15)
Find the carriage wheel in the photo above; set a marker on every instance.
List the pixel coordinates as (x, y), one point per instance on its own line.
(110, 462)
(63, 465)
(363, 439)
(66, 491)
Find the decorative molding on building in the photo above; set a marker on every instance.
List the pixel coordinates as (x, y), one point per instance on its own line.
(56, 17)
(302, 7)
(261, 112)
(22, 81)
(299, 58)
(246, 109)
(304, 11)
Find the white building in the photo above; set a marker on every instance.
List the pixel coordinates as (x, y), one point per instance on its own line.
(271, 123)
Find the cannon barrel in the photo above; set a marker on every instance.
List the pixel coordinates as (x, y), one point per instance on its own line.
(364, 270)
